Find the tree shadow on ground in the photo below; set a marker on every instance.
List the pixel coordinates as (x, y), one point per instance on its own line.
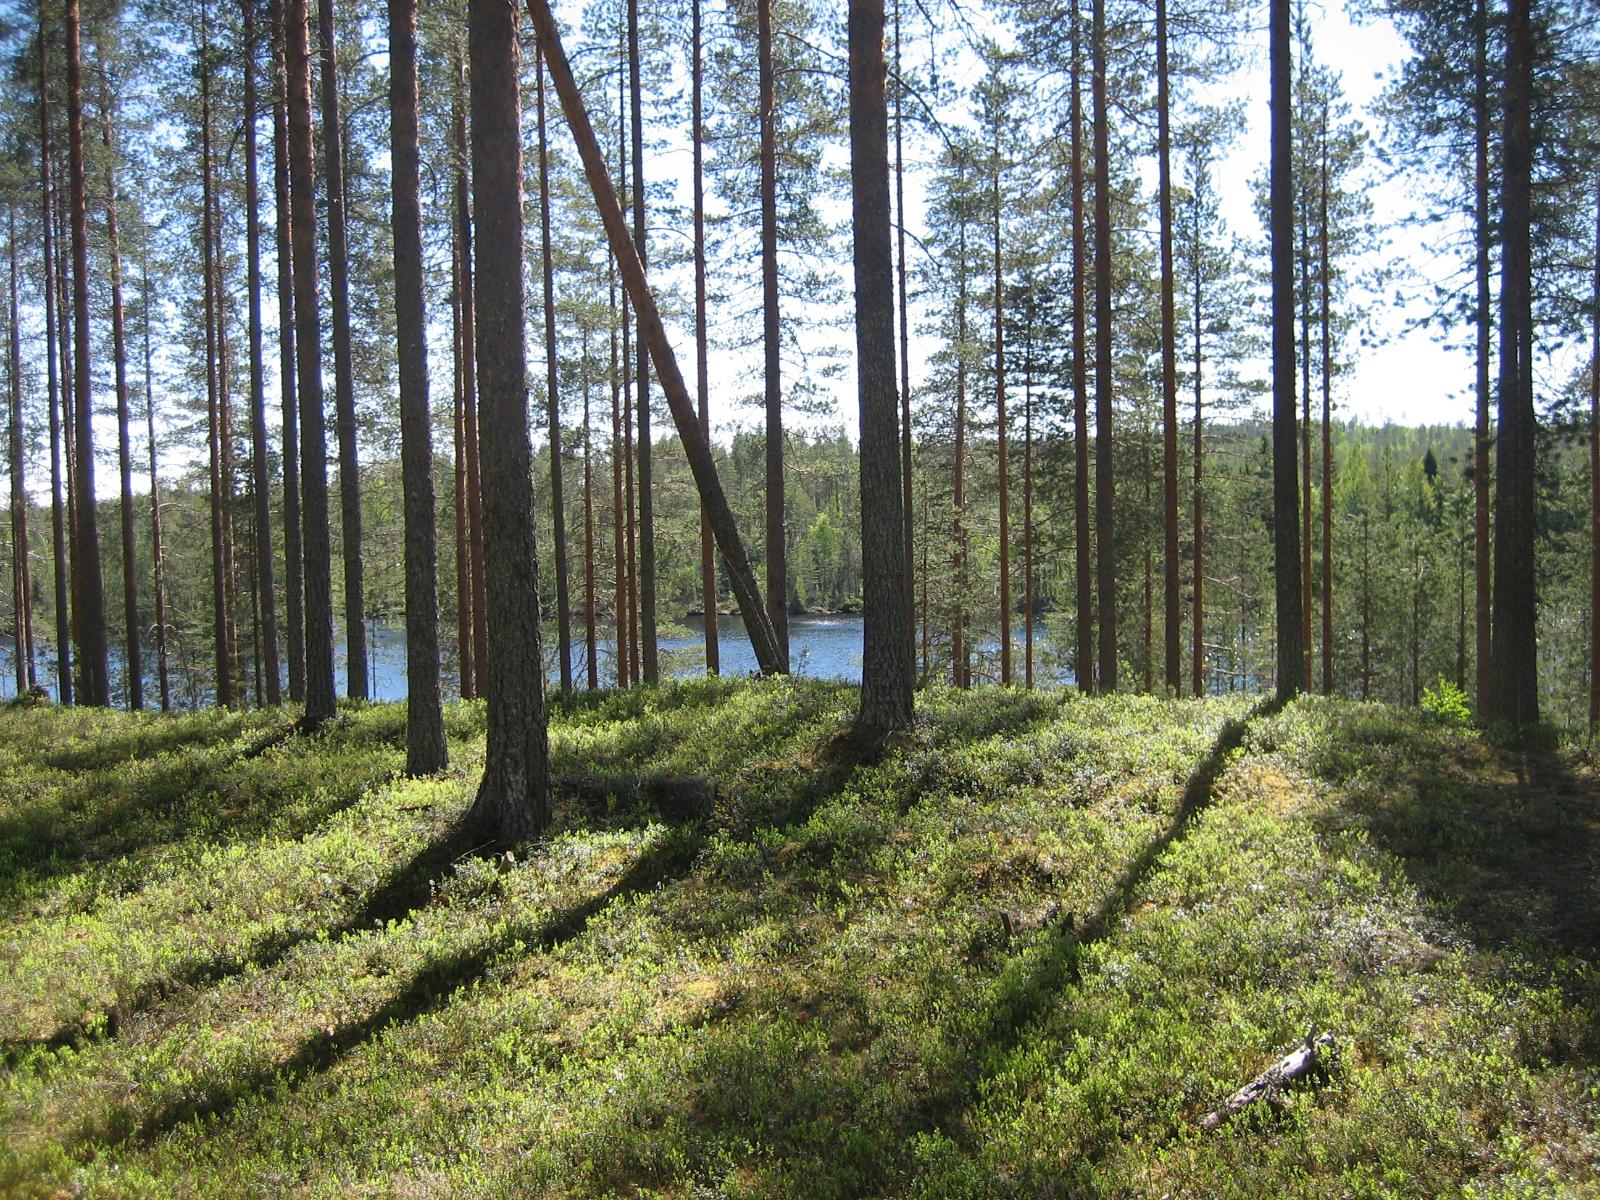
(1508, 843)
(428, 989)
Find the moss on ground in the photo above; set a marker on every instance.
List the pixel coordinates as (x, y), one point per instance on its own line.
(1020, 955)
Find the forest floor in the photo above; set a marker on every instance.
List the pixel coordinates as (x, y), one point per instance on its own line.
(1022, 955)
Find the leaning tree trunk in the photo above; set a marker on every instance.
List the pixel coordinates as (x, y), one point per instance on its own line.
(425, 742)
(1285, 487)
(886, 648)
(91, 620)
(513, 800)
(316, 541)
(697, 449)
(344, 386)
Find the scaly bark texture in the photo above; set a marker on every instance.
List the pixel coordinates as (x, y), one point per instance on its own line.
(425, 741)
(886, 676)
(1083, 659)
(293, 563)
(513, 802)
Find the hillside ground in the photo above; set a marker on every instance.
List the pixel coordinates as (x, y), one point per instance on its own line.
(1022, 955)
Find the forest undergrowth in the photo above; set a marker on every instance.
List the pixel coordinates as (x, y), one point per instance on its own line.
(1022, 954)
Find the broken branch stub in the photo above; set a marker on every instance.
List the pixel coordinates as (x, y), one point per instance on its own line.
(768, 651)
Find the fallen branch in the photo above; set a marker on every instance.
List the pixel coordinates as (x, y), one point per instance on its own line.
(1309, 1060)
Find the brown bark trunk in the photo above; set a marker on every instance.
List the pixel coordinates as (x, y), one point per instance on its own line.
(708, 553)
(344, 397)
(90, 622)
(777, 546)
(1172, 619)
(157, 544)
(425, 741)
(905, 342)
(1515, 690)
(958, 640)
(1105, 480)
(1083, 659)
(697, 449)
(1000, 416)
(1327, 427)
(886, 703)
(513, 800)
(22, 590)
(293, 560)
(1594, 474)
(463, 536)
(315, 541)
(266, 589)
(56, 394)
(1199, 672)
(645, 585)
(1483, 238)
(1285, 487)
(591, 650)
(558, 508)
(216, 436)
(119, 351)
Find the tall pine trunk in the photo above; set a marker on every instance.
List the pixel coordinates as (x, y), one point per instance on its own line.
(1483, 240)
(1285, 487)
(158, 558)
(513, 800)
(777, 545)
(344, 388)
(1327, 423)
(55, 391)
(1000, 411)
(1172, 621)
(905, 341)
(960, 656)
(552, 364)
(90, 619)
(22, 588)
(293, 564)
(1594, 473)
(1515, 692)
(886, 647)
(1105, 479)
(708, 553)
(266, 588)
(591, 650)
(119, 353)
(645, 581)
(425, 742)
(316, 542)
(469, 396)
(1083, 659)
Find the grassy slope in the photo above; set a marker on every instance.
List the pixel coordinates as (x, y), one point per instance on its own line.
(236, 963)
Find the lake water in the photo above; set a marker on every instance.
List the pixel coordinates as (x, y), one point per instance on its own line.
(820, 646)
